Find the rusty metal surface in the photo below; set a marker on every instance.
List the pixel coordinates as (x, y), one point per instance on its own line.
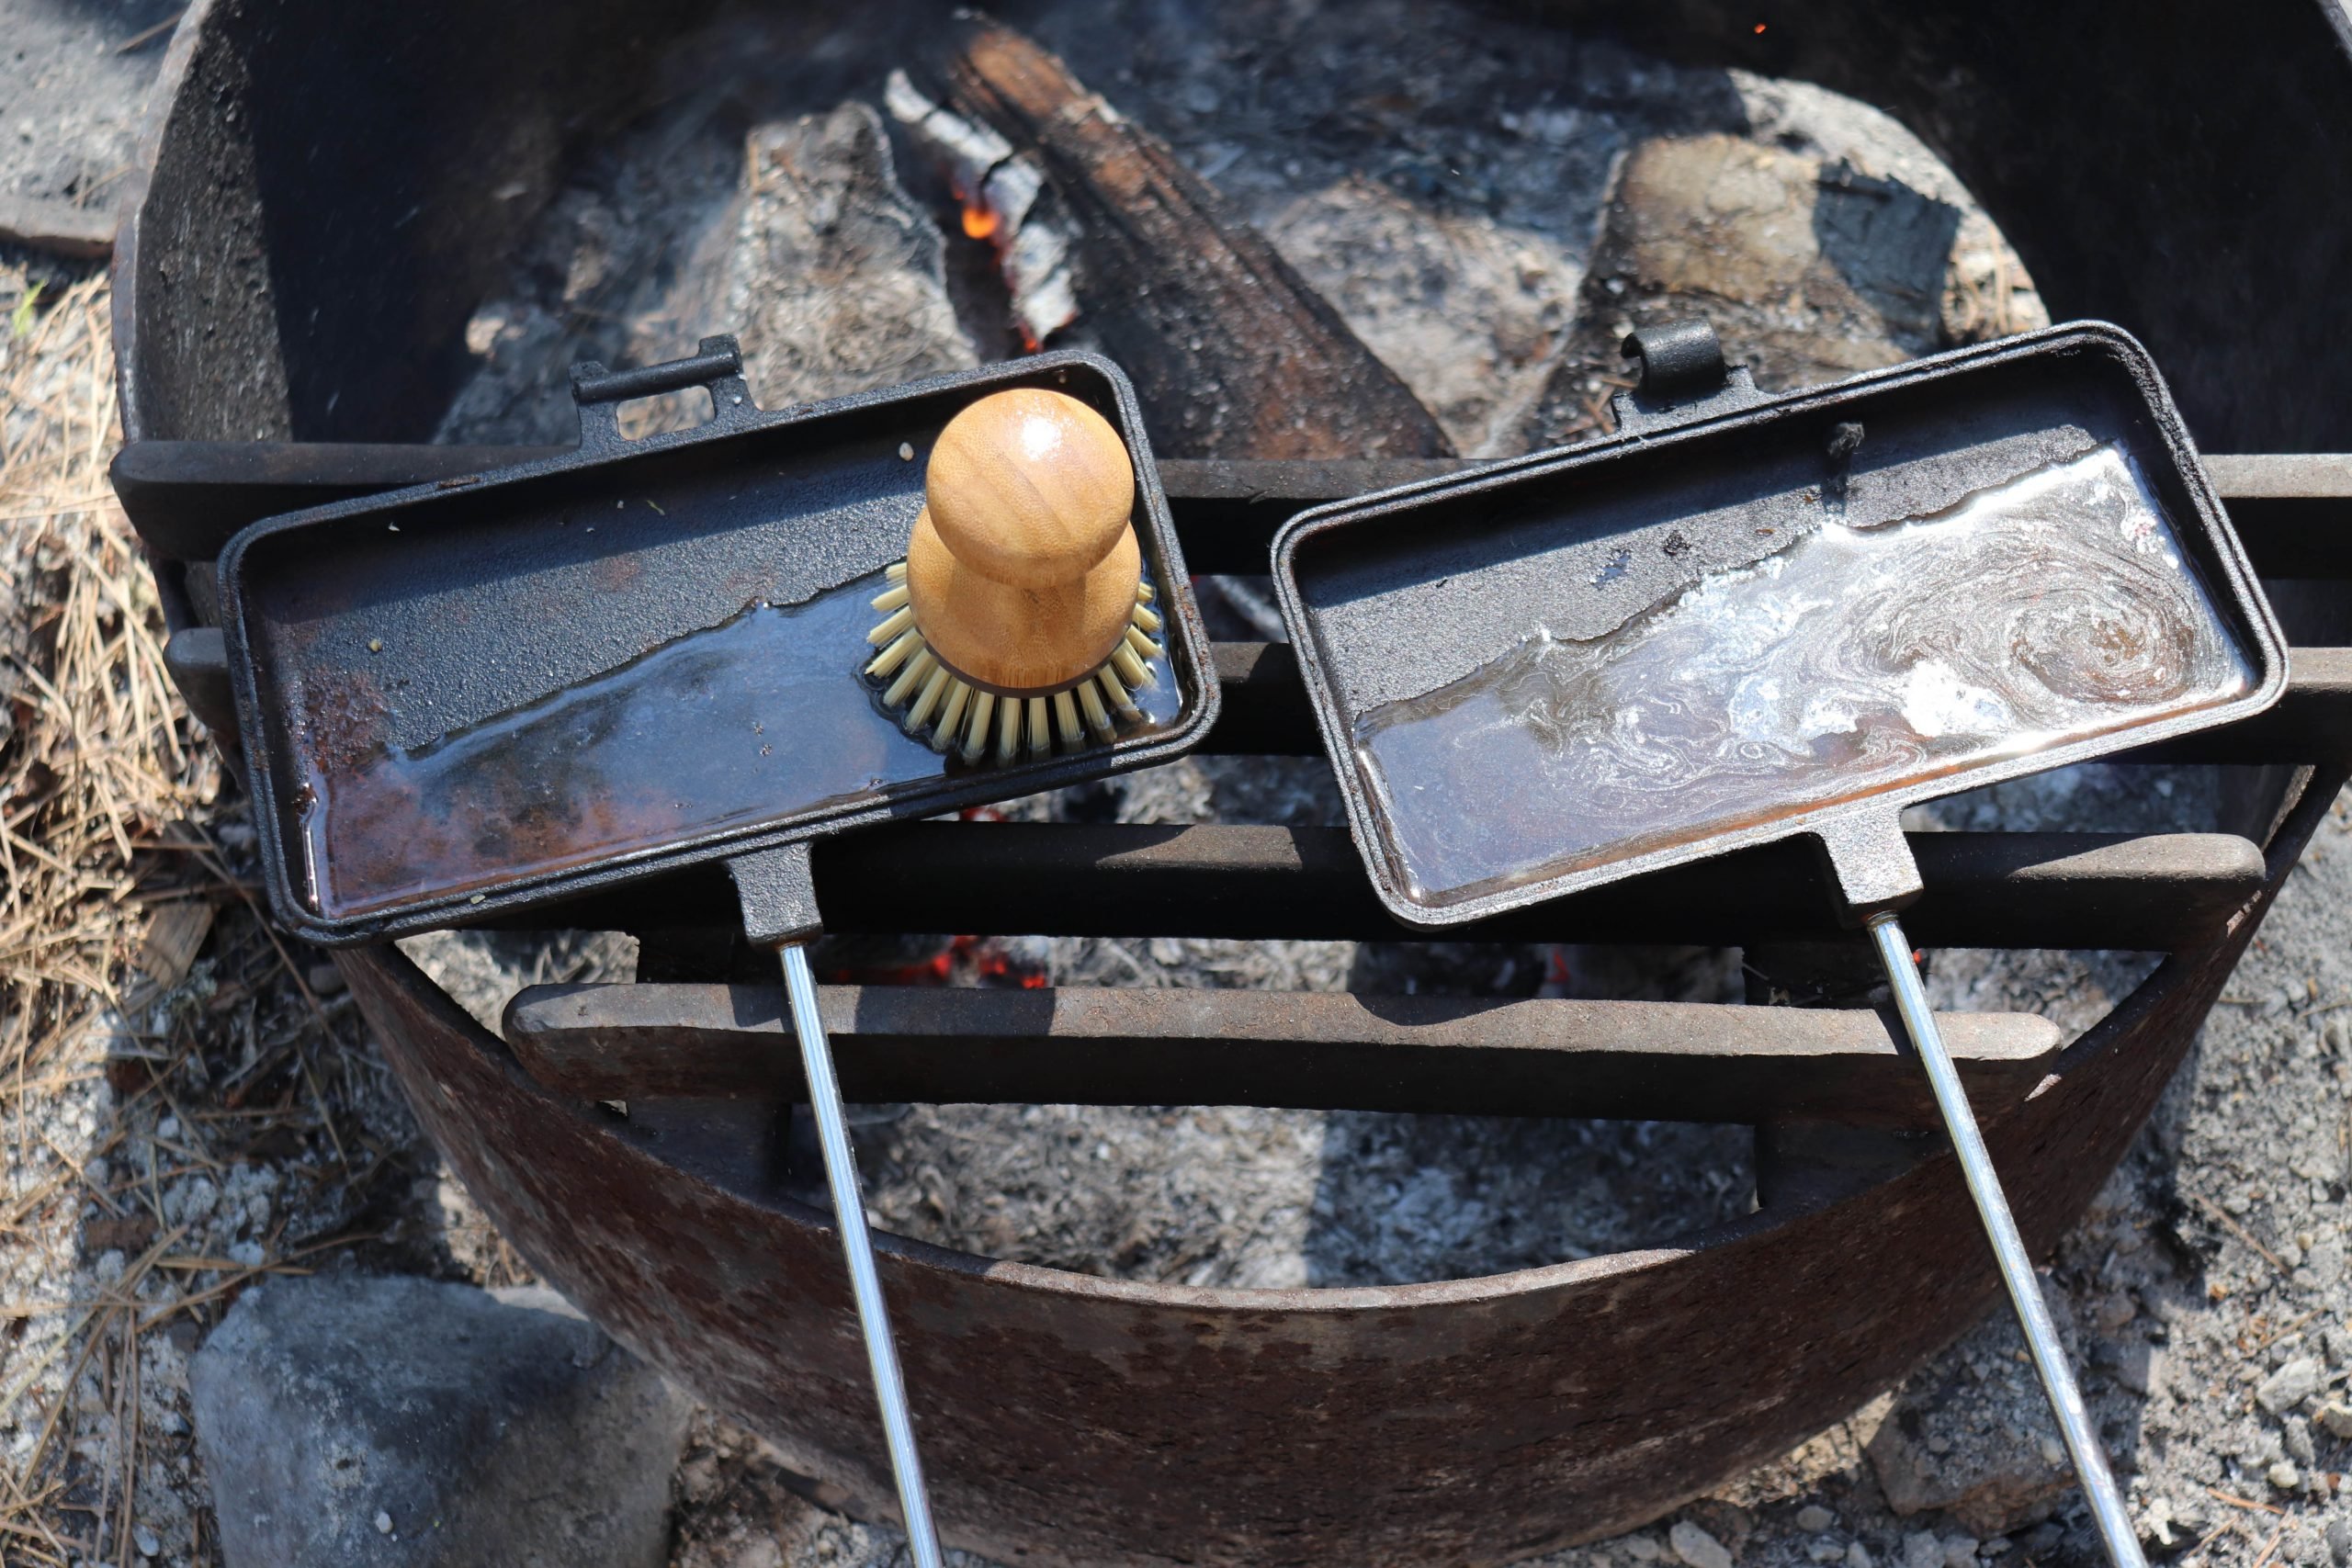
(1077, 879)
(1477, 1056)
(1072, 1420)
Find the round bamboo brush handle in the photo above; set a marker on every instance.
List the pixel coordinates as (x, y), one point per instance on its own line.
(1022, 570)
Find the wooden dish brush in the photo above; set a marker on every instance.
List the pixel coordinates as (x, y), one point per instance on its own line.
(1021, 608)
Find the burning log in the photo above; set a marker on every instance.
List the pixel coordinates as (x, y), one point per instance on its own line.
(1231, 351)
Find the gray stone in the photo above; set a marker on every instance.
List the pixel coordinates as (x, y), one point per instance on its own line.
(2285, 1476)
(2339, 1537)
(2289, 1386)
(2336, 1418)
(382, 1422)
(1813, 1518)
(1696, 1548)
(1922, 1549)
(1970, 1435)
(1960, 1551)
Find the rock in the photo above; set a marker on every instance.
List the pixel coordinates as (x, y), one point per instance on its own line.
(819, 202)
(1970, 1435)
(1922, 1549)
(1645, 1547)
(2337, 1419)
(1826, 1552)
(1813, 1518)
(1858, 1556)
(2289, 1386)
(1809, 271)
(2134, 1364)
(1960, 1551)
(2156, 1524)
(1696, 1548)
(2285, 1476)
(2296, 1433)
(2339, 1539)
(401, 1421)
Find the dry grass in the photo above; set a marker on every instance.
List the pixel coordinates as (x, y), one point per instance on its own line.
(115, 883)
(97, 770)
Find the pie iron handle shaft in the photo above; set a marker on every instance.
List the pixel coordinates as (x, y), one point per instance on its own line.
(780, 904)
(1876, 876)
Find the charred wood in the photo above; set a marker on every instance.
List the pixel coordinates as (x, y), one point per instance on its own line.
(1231, 350)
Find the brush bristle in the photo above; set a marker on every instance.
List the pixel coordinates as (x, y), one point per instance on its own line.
(959, 716)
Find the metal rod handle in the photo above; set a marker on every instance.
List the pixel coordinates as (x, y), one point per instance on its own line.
(2009, 1248)
(857, 1247)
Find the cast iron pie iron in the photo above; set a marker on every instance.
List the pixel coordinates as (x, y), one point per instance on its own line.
(707, 648)
(1746, 619)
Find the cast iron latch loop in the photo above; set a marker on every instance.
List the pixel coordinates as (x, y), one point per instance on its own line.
(716, 365)
(1683, 377)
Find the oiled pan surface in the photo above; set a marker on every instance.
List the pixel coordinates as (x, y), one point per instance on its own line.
(1586, 667)
(606, 665)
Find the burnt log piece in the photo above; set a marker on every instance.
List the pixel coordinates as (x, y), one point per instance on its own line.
(1231, 350)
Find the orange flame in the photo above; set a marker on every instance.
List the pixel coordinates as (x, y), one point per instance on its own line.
(979, 223)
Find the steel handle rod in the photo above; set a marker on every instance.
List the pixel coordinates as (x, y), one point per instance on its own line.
(857, 1247)
(2009, 1248)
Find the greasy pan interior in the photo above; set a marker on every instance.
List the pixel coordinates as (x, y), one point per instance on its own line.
(1510, 671)
(467, 697)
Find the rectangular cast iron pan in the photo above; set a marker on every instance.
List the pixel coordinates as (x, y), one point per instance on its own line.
(446, 604)
(1402, 592)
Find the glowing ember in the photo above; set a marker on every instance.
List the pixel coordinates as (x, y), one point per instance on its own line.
(979, 221)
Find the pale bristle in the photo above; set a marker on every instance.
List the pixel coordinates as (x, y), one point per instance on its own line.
(1090, 697)
(976, 729)
(950, 716)
(898, 653)
(926, 701)
(1123, 705)
(1131, 669)
(910, 679)
(953, 714)
(1008, 730)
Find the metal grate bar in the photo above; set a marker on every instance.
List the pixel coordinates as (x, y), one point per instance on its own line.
(1320, 1051)
(2292, 510)
(2079, 890)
